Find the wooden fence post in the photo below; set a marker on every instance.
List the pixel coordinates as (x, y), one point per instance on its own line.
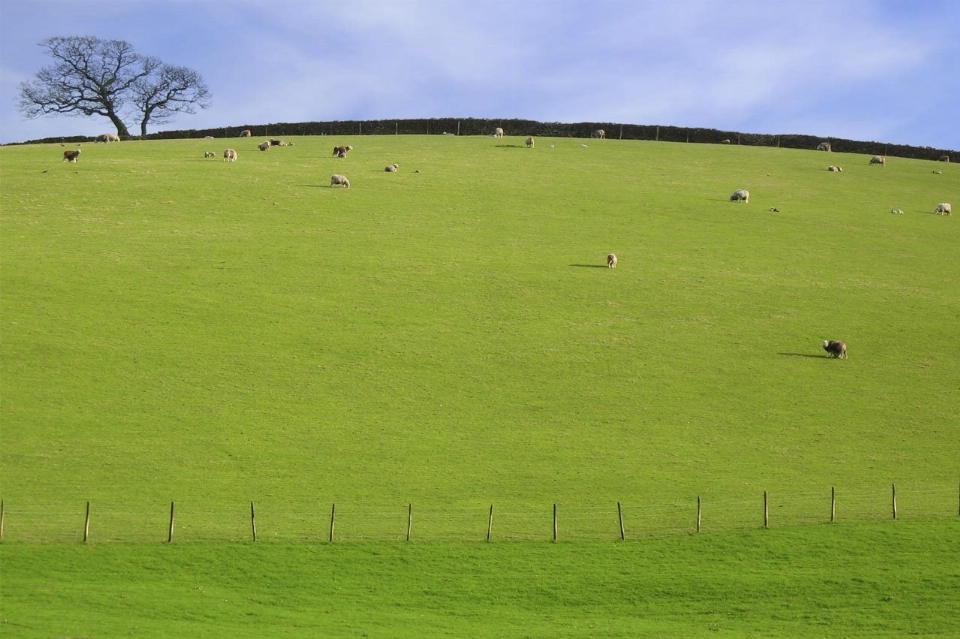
(253, 521)
(409, 519)
(894, 491)
(833, 503)
(86, 525)
(490, 523)
(554, 522)
(620, 517)
(333, 519)
(170, 532)
(657, 139)
(766, 511)
(699, 513)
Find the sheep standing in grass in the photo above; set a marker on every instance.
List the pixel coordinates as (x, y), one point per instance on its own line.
(612, 261)
(943, 208)
(824, 146)
(836, 169)
(879, 159)
(339, 180)
(341, 151)
(600, 133)
(740, 195)
(229, 155)
(264, 146)
(246, 133)
(392, 168)
(71, 156)
(530, 142)
(108, 137)
(498, 132)
(944, 158)
(835, 348)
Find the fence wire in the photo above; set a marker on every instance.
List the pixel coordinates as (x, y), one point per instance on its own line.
(54, 522)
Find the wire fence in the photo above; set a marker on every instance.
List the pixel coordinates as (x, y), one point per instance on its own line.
(184, 522)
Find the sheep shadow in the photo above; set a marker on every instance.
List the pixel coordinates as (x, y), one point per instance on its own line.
(589, 266)
(511, 146)
(811, 356)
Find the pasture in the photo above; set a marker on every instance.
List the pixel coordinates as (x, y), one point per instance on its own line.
(176, 328)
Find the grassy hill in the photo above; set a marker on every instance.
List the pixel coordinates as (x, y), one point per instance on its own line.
(180, 328)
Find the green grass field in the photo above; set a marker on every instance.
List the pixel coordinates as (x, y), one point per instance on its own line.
(182, 329)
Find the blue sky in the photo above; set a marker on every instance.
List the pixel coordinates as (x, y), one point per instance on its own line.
(881, 70)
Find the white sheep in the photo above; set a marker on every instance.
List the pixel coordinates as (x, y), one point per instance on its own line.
(835, 168)
(600, 133)
(108, 137)
(824, 146)
(498, 132)
(943, 208)
(897, 211)
(740, 195)
(229, 155)
(340, 180)
(879, 159)
(612, 261)
(264, 146)
(392, 168)
(246, 133)
(530, 142)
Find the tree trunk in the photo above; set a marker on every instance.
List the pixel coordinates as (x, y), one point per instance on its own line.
(117, 122)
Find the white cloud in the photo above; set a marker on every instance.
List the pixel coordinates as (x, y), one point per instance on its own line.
(738, 64)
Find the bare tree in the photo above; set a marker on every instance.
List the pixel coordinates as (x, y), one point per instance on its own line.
(108, 78)
(171, 90)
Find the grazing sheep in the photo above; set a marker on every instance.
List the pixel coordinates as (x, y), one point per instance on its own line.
(341, 151)
(498, 132)
(229, 155)
(942, 208)
(935, 172)
(600, 133)
(835, 348)
(108, 137)
(339, 180)
(879, 159)
(740, 195)
(264, 146)
(836, 169)
(612, 261)
(71, 156)
(208, 137)
(392, 168)
(824, 146)
(246, 133)
(944, 158)
(530, 142)
(725, 142)
(897, 211)
(210, 154)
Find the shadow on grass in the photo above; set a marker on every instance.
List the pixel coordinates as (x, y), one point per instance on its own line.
(804, 355)
(589, 265)
(511, 146)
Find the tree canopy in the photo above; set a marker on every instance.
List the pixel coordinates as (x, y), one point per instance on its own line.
(108, 78)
